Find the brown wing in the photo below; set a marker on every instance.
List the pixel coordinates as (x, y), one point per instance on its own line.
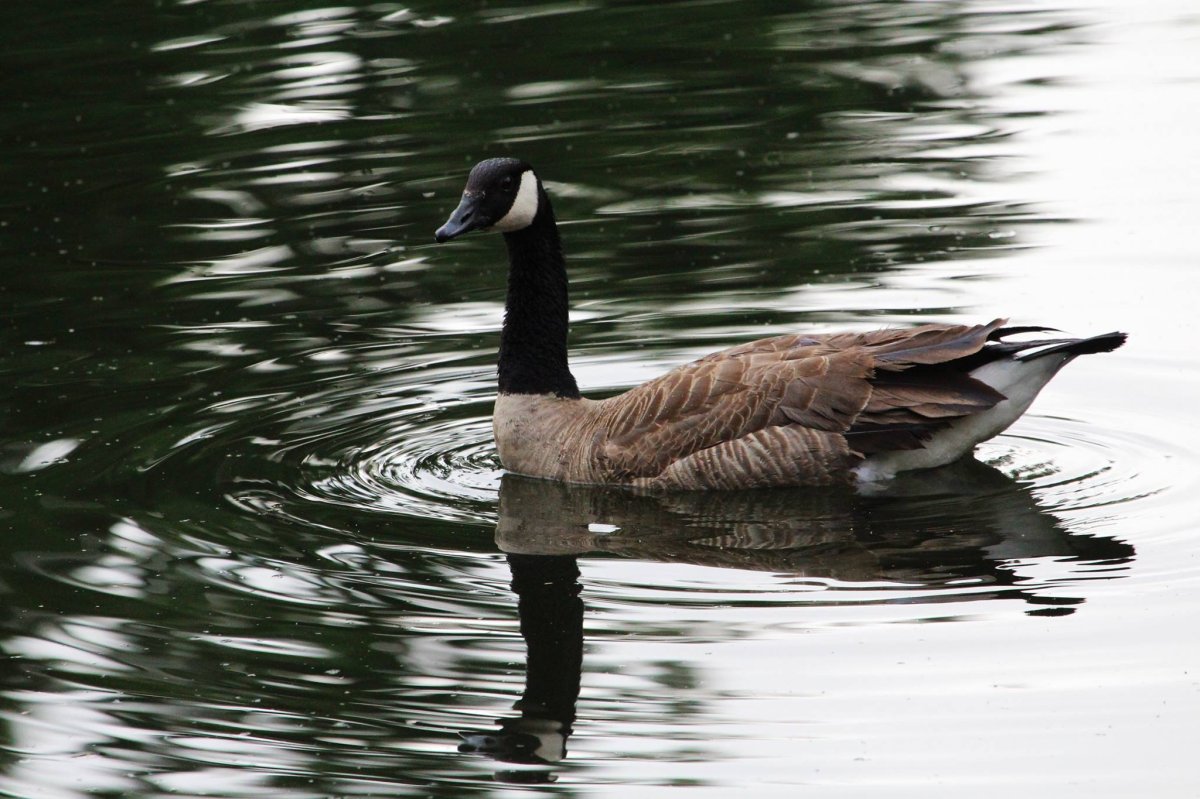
(919, 385)
(884, 389)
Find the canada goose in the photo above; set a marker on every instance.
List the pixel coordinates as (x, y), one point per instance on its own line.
(795, 409)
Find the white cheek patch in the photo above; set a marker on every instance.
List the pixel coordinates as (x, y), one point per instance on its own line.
(524, 207)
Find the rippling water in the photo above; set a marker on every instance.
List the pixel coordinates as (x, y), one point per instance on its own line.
(255, 535)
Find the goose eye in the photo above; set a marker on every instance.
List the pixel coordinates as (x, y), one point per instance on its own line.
(507, 183)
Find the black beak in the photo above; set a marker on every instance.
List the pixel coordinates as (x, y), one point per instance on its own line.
(466, 217)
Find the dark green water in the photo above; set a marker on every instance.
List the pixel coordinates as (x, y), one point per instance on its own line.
(254, 537)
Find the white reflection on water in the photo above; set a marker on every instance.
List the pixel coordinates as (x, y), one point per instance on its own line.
(1116, 157)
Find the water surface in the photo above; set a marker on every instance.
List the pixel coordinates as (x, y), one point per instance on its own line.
(254, 536)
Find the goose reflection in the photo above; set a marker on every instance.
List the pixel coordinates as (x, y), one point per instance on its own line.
(551, 613)
(966, 524)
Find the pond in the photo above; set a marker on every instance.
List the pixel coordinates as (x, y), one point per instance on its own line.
(254, 535)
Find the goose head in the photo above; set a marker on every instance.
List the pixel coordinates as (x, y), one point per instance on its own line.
(501, 194)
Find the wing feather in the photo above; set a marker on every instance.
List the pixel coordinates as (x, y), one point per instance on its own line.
(871, 391)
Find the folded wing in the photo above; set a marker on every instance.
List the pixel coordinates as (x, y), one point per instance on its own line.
(859, 392)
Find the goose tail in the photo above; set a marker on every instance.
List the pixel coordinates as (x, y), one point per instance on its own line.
(1017, 371)
(1105, 342)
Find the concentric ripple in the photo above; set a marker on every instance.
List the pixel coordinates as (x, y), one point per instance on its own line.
(363, 433)
(1076, 466)
(435, 467)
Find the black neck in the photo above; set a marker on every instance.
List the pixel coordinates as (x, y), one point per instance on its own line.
(533, 343)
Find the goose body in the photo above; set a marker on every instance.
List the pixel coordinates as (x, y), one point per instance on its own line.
(789, 410)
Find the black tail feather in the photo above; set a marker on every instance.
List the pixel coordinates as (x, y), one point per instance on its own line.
(1105, 342)
(1029, 350)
